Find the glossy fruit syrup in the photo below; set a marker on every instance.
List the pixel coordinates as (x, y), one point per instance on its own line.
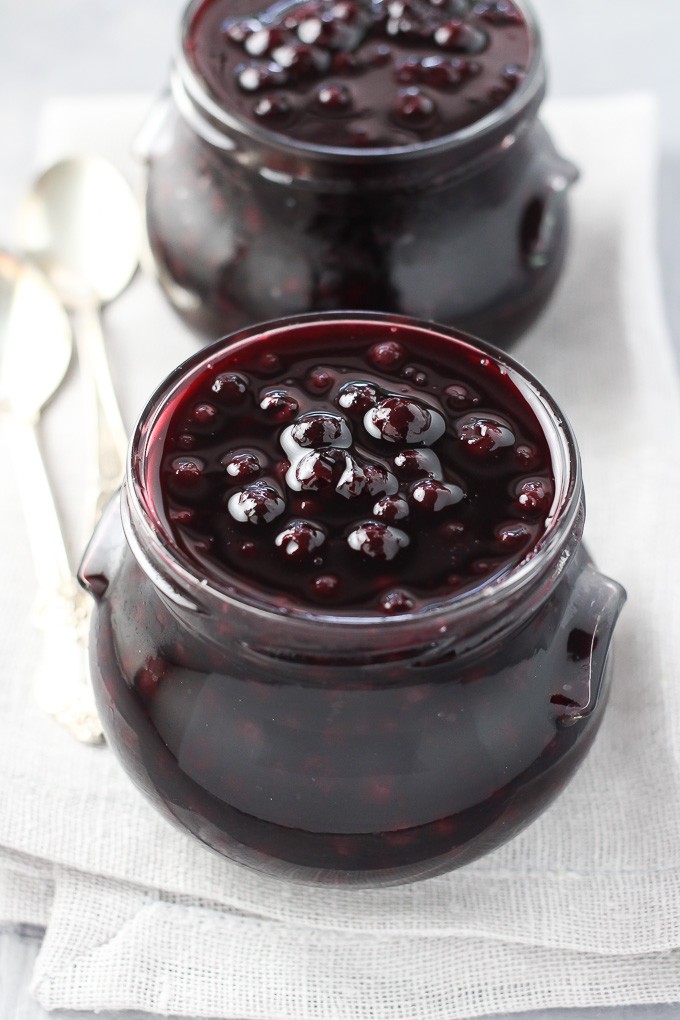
(357, 73)
(313, 649)
(381, 478)
(363, 154)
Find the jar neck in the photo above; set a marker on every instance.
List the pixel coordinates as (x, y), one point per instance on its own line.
(284, 160)
(455, 626)
(460, 629)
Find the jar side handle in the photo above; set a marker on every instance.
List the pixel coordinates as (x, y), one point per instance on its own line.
(544, 214)
(147, 137)
(595, 606)
(102, 554)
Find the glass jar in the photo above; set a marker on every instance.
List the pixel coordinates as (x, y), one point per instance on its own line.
(341, 747)
(246, 224)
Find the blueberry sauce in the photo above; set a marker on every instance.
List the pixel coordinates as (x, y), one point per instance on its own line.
(360, 73)
(345, 627)
(391, 474)
(383, 155)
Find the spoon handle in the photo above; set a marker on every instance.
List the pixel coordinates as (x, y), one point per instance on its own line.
(111, 437)
(63, 610)
(45, 535)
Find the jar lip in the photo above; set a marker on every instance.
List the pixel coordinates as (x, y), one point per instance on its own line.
(567, 503)
(529, 91)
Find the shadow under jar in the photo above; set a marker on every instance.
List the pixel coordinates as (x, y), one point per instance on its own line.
(355, 154)
(345, 627)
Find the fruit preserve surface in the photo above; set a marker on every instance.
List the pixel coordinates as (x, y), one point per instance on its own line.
(348, 631)
(386, 476)
(355, 73)
(328, 154)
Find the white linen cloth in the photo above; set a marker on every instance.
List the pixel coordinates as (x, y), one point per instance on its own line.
(581, 909)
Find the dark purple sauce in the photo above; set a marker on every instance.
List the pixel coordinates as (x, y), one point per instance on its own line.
(302, 717)
(397, 471)
(355, 73)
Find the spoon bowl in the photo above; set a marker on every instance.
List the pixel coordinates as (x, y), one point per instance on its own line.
(35, 338)
(81, 226)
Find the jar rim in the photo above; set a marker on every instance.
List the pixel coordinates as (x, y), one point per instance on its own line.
(529, 92)
(145, 531)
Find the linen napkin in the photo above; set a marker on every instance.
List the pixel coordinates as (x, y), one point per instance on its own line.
(583, 908)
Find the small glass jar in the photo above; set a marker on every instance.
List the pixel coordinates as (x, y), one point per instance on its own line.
(246, 224)
(343, 747)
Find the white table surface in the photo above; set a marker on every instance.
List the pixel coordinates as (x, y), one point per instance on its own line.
(90, 47)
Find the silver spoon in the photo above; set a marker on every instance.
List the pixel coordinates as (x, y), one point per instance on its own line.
(35, 351)
(81, 225)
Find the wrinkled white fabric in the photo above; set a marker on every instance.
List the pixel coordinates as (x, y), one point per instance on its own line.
(584, 907)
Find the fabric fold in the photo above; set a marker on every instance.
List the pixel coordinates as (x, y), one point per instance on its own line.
(116, 943)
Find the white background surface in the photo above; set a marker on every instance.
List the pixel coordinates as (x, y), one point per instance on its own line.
(56, 47)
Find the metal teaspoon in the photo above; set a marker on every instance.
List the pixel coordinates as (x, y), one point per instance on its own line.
(81, 225)
(35, 351)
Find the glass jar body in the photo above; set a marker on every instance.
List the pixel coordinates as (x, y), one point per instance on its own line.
(373, 758)
(473, 241)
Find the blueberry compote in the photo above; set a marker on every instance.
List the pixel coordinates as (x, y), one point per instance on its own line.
(348, 631)
(357, 73)
(382, 478)
(325, 154)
